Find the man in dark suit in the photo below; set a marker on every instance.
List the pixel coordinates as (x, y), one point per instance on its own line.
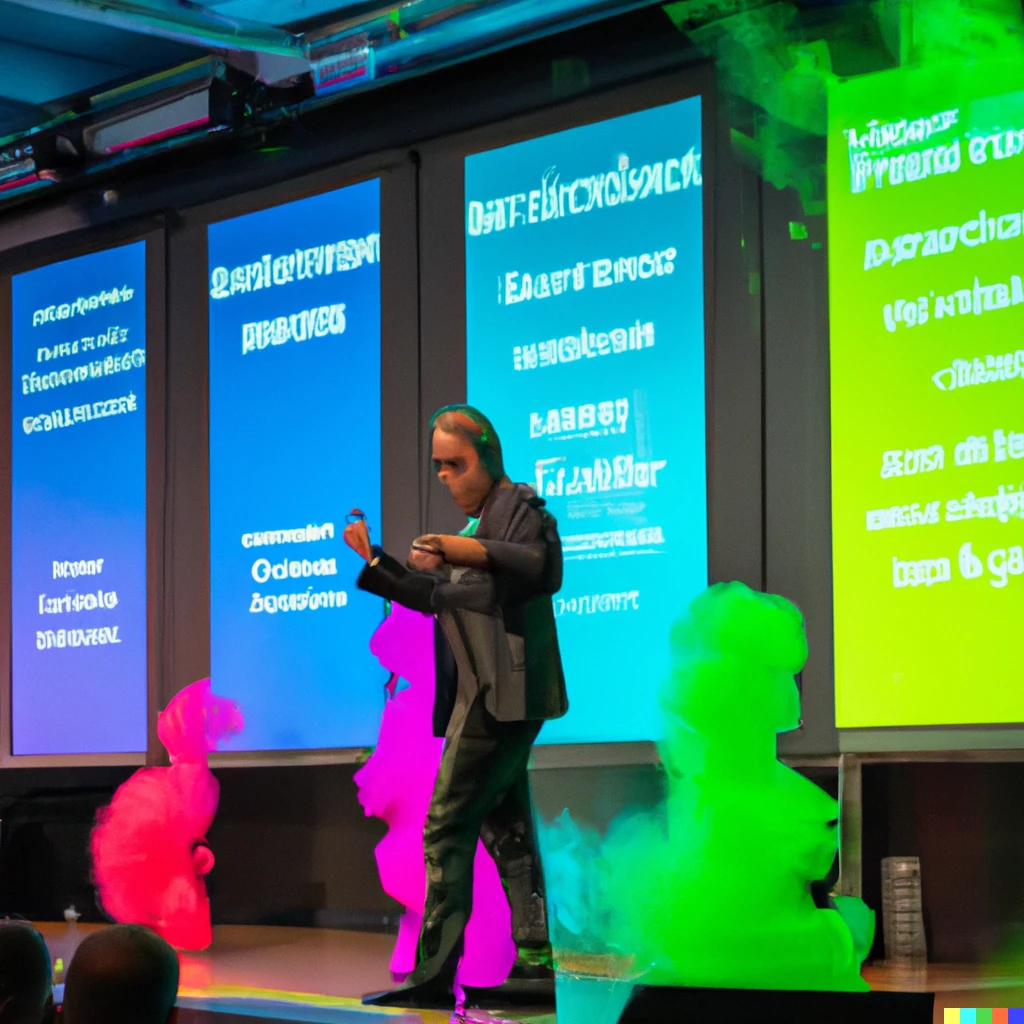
(499, 676)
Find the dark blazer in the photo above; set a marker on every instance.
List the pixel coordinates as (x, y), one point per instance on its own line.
(502, 617)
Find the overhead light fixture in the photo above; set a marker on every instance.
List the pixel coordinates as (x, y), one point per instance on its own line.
(23, 173)
(16, 169)
(179, 110)
(346, 56)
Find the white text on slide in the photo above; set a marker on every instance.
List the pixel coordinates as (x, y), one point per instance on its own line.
(522, 286)
(318, 322)
(609, 417)
(586, 345)
(300, 265)
(556, 198)
(621, 473)
(81, 306)
(598, 604)
(939, 241)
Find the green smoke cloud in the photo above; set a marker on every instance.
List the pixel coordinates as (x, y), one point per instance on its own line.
(713, 887)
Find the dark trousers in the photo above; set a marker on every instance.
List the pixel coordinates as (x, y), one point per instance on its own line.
(481, 792)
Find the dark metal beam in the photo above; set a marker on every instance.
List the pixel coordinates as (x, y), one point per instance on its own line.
(180, 20)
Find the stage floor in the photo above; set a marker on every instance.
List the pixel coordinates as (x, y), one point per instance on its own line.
(320, 975)
(292, 974)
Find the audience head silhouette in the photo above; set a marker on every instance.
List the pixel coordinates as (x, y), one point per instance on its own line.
(26, 977)
(125, 974)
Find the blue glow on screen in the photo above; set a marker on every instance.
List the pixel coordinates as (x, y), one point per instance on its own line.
(585, 347)
(78, 505)
(294, 445)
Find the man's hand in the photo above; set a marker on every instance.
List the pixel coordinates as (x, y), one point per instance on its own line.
(455, 550)
(357, 537)
(426, 554)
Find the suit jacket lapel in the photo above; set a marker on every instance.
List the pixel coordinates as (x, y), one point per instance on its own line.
(496, 515)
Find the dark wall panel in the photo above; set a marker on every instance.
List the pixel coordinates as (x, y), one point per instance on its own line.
(964, 821)
(293, 847)
(735, 463)
(798, 540)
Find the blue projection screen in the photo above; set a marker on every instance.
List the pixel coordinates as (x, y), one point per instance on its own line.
(294, 446)
(585, 347)
(78, 506)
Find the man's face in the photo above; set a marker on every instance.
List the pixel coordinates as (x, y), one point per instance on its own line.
(459, 468)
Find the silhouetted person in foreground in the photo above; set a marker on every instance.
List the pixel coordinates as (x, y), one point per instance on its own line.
(26, 976)
(124, 974)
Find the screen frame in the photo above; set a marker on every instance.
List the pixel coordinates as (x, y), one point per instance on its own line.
(443, 289)
(37, 254)
(189, 624)
(877, 743)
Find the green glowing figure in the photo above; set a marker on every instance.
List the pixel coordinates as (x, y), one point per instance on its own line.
(713, 889)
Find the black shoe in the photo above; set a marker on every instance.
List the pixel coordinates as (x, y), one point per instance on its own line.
(432, 994)
(534, 994)
(525, 971)
(534, 962)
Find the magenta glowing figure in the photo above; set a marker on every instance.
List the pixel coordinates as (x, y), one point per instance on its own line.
(395, 784)
(149, 850)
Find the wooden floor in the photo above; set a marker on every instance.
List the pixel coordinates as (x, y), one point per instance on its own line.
(317, 960)
(301, 974)
(320, 975)
(953, 984)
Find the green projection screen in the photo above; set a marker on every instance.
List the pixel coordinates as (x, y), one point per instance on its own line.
(926, 259)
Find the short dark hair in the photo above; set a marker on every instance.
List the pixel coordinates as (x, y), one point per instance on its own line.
(482, 435)
(124, 974)
(26, 974)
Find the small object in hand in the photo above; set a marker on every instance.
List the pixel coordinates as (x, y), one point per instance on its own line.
(423, 548)
(429, 542)
(357, 535)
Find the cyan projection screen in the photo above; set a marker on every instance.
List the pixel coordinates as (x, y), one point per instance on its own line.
(582, 265)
